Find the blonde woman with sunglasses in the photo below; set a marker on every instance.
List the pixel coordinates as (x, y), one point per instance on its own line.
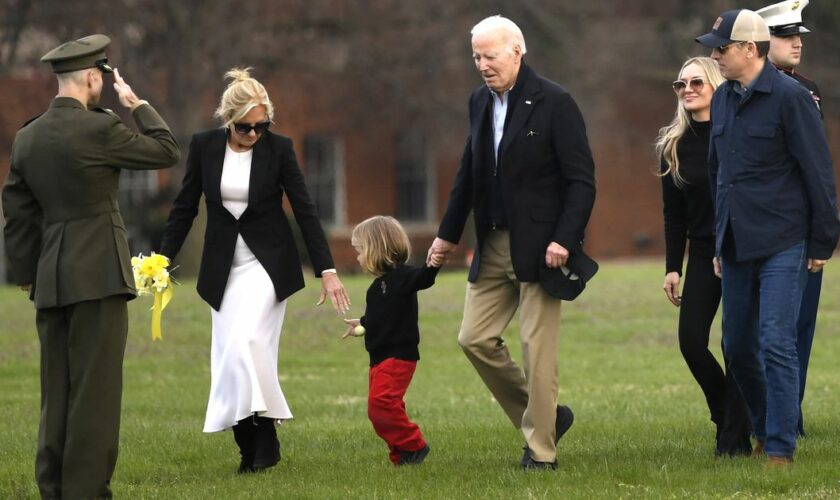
(250, 265)
(683, 147)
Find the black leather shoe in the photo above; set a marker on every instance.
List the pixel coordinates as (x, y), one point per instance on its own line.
(529, 463)
(413, 457)
(565, 419)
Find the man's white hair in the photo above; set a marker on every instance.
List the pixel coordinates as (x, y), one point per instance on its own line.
(494, 23)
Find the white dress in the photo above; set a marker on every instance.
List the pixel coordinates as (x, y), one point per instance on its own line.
(246, 329)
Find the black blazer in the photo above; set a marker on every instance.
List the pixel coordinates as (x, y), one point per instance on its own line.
(548, 176)
(263, 225)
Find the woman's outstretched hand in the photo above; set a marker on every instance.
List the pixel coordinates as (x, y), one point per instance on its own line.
(331, 287)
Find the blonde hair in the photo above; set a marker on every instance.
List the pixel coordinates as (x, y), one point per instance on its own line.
(242, 94)
(382, 243)
(670, 135)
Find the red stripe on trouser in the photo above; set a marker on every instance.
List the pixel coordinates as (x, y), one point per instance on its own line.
(386, 409)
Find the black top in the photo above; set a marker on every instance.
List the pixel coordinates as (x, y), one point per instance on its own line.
(390, 318)
(688, 209)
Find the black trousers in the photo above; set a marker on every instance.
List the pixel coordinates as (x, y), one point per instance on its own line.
(700, 301)
(82, 349)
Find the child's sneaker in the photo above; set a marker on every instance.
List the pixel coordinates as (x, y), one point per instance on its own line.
(413, 457)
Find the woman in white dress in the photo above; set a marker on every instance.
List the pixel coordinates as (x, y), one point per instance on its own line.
(249, 264)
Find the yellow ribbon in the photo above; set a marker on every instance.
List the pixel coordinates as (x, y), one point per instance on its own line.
(161, 301)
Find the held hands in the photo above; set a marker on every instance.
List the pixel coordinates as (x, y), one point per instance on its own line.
(354, 329)
(672, 288)
(439, 252)
(331, 287)
(126, 96)
(556, 255)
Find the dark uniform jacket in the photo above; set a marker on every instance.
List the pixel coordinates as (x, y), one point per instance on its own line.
(263, 225)
(547, 174)
(808, 84)
(64, 232)
(770, 169)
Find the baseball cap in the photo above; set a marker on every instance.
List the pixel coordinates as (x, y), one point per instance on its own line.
(740, 25)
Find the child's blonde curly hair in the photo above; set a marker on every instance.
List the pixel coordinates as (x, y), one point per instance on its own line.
(382, 243)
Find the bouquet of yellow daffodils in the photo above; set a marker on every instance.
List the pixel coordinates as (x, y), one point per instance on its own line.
(151, 277)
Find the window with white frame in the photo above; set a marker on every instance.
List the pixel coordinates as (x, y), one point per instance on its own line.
(414, 178)
(323, 159)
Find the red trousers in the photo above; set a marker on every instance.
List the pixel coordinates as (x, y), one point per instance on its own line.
(386, 409)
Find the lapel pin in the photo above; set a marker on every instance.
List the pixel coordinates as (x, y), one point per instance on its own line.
(527, 102)
(532, 133)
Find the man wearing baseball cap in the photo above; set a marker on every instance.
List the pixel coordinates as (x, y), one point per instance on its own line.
(68, 249)
(785, 22)
(772, 180)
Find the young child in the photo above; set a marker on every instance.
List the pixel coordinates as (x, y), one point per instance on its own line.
(391, 333)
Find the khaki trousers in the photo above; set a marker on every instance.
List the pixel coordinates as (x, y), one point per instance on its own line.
(529, 396)
(82, 349)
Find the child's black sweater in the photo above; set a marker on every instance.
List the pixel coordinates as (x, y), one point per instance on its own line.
(390, 318)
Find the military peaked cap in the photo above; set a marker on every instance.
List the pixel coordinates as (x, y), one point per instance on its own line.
(87, 52)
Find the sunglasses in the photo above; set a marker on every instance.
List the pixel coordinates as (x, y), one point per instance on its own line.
(696, 84)
(723, 48)
(245, 129)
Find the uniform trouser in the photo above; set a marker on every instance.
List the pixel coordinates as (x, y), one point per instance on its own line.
(805, 326)
(82, 349)
(529, 396)
(387, 384)
(700, 301)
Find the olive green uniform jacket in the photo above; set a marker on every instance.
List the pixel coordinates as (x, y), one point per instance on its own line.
(64, 232)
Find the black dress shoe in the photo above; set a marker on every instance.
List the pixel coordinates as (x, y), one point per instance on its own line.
(529, 463)
(565, 419)
(413, 457)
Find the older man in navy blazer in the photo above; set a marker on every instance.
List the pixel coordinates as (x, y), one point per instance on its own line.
(776, 219)
(527, 174)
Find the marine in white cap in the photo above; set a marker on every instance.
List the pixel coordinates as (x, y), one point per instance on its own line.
(786, 27)
(785, 22)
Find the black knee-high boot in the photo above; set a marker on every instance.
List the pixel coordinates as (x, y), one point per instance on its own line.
(267, 447)
(245, 432)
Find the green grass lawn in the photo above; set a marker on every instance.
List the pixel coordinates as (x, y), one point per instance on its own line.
(641, 430)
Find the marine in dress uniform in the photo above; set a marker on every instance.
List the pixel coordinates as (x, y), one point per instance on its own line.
(67, 245)
(784, 19)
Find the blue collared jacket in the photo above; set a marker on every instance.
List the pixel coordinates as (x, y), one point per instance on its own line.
(770, 169)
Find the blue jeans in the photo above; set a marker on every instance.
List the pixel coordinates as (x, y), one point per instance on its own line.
(761, 301)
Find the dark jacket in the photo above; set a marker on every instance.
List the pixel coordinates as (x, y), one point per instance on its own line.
(64, 231)
(263, 225)
(770, 169)
(391, 314)
(547, 175)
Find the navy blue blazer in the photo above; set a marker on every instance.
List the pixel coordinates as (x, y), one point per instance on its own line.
(770, 169)
(264, 225)
(547, 177)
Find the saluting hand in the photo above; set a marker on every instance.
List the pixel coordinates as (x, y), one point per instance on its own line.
(331, 287)
(126, 96)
